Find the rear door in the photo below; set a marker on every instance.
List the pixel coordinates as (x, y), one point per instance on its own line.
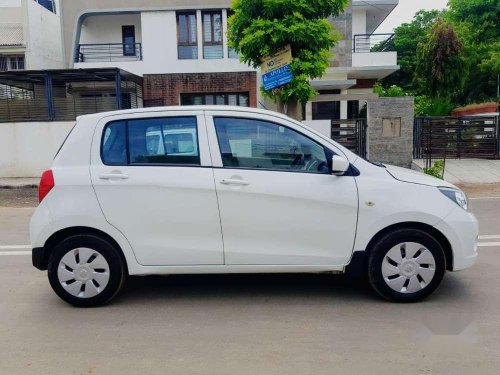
(279, 203)
(154, 182)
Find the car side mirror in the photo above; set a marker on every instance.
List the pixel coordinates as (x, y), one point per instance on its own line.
(340, 165)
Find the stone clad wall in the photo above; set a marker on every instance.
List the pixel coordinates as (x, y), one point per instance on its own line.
(343, 50)
(390, 130)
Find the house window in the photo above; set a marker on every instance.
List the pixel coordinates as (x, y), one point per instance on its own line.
(187, 41)
(326, 110)
(128, 40)
(48, 4)
(212, 35)
(235, 99)
(11, 62)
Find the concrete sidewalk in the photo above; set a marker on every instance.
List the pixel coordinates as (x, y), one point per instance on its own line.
(467, 171)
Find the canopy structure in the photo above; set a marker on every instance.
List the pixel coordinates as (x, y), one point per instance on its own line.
(62, 95)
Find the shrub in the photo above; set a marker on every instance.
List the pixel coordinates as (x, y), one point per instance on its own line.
(437, 170)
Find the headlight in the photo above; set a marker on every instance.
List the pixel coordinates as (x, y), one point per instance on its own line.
(457, 196)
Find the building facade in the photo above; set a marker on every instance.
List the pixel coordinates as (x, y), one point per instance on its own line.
(30, 35)
(180, 49)
(360, 59)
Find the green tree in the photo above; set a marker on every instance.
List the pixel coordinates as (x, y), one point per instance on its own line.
(406, 39)
(477, 23)
(259, 28)
(440, 63)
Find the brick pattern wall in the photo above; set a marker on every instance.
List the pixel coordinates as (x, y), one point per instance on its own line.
(169, 87)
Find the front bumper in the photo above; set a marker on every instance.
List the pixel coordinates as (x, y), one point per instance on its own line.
(461, 228)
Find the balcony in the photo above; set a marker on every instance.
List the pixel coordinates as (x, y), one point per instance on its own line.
(110, 52)
(373, 56)
(363, 43)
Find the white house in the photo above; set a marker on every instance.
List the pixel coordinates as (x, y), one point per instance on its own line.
(181, 50)
(30, 35)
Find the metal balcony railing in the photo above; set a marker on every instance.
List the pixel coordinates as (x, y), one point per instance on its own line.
(373, 43)
(112, 52)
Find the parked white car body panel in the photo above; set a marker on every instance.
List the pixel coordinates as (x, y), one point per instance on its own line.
(214, 218)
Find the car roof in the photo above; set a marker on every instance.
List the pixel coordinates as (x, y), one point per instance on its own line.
(191, 108)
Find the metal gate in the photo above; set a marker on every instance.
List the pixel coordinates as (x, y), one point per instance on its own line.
(461, 137)
(351, 134)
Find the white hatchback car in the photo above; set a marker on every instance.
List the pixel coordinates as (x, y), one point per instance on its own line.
(234, 190)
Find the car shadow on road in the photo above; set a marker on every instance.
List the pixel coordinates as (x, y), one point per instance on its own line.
(315, 287)
(234, 286)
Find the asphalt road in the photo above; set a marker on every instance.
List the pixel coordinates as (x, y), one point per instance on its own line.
(250, 324)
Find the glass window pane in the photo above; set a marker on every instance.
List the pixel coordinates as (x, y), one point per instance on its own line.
(207, 28)
(233, 54)
(183, 37)
(326, 110)
(232, 99)
(217, 27)
(254, 144)
(209, 99)
(188, 52)
(220, 99)
(192, 28)
(243, 100)
(114, 150)
(164, 141)
(213, 52)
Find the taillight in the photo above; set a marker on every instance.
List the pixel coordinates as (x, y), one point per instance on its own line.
(46, 184)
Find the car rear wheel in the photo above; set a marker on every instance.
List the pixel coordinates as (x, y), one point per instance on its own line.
(406, 265)
(86, 270)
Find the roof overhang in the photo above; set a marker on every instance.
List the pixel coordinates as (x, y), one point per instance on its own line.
(371, 72)
(352, 74)
(333, 84)
(376, 11)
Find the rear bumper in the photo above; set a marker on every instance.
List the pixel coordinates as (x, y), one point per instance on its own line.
(461, 229)
(38, 258)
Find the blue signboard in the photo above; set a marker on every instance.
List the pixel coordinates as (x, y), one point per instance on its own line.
(277, 77)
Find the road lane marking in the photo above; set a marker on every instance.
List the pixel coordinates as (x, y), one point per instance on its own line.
(488, 244)
(12, 247)
(14, 253)
(490, 237)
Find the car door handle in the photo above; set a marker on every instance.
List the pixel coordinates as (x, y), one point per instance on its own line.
(234, 181)
(113, 176)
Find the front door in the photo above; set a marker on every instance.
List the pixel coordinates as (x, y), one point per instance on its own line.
(279, 203)
(154, 182)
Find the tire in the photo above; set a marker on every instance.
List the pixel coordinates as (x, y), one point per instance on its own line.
(86, 270)
(406, 265)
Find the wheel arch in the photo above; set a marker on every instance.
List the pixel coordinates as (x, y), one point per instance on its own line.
(358, 263)
(62, 234)
(440, 237)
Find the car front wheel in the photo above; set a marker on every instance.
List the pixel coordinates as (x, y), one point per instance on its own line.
(86, 270)
(406, 265)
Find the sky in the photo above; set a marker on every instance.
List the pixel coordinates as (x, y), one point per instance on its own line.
(405, 11)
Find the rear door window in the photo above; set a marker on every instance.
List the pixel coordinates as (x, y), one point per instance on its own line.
(167, 141)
